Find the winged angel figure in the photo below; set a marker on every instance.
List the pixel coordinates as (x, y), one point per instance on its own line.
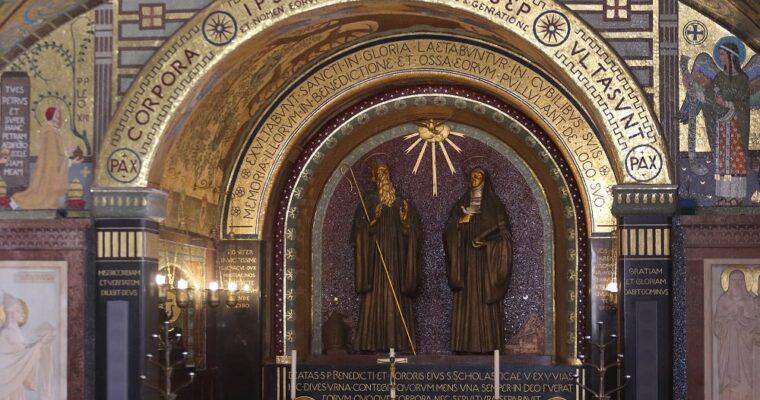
(724, 92)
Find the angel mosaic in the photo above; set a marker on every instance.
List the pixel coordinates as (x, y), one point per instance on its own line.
(725, 92)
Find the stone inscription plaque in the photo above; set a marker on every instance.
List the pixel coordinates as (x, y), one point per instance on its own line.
(647, 278)
(431, 382)
(238, 263)
(238, 326)
(113, 281)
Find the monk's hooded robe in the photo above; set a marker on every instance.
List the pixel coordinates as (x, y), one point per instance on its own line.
(380, 326)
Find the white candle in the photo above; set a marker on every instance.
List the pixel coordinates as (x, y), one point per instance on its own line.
(293, 360)
(496, 374)
(392, 354)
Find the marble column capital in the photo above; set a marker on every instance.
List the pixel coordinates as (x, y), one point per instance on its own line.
(142, 203)
(644, 200)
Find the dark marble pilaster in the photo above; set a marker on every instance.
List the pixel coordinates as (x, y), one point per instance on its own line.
(237, 330)
(604, 306)
(126, 305)
(644, 216)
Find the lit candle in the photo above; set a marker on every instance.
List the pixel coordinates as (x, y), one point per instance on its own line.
(191, 291)
(161, 282)
(213, 294)
(496, 374)
(392, 360)
(293, 361)
(232, 298)
(182, 299)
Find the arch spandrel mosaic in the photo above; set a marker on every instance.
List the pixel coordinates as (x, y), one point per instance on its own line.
(572, 51)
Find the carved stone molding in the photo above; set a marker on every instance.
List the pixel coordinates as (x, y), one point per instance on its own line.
(62, 234)
(644, 200)
(129, 203)
(721, 230)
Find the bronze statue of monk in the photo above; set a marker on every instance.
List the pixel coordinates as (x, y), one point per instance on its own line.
(392, 234)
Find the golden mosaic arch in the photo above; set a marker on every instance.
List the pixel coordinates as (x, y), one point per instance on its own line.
(424, 56)
(542, 30)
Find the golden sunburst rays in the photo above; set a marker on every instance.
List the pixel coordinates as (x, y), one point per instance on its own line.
(433, 134)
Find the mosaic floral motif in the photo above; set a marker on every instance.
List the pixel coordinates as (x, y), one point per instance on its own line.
(695, 32)
(551, 28)
(219, 28)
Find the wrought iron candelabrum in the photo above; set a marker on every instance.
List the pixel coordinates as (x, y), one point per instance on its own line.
(601, 367)
(167, 341)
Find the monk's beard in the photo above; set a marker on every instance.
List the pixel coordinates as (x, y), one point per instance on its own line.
(386, 192)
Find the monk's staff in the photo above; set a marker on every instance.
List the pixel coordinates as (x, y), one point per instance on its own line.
(345, 168)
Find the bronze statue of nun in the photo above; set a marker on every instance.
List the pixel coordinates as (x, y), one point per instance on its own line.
(478, 245)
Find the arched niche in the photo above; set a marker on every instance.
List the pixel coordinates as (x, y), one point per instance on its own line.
(313, 262)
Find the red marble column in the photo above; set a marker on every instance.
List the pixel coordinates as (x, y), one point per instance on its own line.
(710, 237)
(62, 240)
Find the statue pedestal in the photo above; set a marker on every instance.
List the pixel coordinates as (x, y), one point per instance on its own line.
(424, 377)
